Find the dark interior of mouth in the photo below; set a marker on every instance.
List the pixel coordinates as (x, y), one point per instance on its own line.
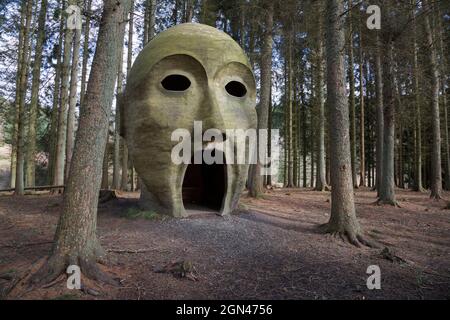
(204, 186)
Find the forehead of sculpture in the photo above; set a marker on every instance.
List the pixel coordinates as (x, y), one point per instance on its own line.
(211, 47)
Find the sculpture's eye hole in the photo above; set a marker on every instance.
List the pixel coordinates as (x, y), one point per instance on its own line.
(236, 89)
(176, 82)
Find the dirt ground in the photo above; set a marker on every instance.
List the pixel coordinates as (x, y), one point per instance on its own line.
(269, 250)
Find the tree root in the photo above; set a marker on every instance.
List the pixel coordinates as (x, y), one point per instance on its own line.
(323, 188)
(48, 272)
(357, 240)
(393, 203)
(435, 197)
(56, 265)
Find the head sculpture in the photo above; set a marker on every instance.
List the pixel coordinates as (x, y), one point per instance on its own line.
(188, 73)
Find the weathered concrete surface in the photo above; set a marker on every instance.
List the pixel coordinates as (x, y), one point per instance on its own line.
(210, 59)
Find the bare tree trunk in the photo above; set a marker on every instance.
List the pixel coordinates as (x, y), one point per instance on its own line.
(401, 168)
(321, 182)
(380, 117)
(20, 116)
(75, 240)
(209, 10)
(436, 170)
(444, 70)
(87, 30)
(295, 129)
(387, 188)
(343, 217)
(20, 57)
(63, 110)
(105, 165)
(72, 100)
(242, 17)
(298, 134)
(256, 187)
(269, 136)
(400, 173)
(151, 20)
(351, 77)
(175, 12)
(125, 164)
(289, 33)
(311, 182)
(304, 142)
(418, 121)
(116, 153)
(31, 146)
(362, 151)
(189, 11)
(146, 21)
(55, 103)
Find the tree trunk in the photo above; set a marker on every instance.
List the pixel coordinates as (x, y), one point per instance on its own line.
(343, 217)
(152, 20)
(63, 110)
(20, 116)
(116, 153)
(311, 182)
(105, 165)
(125, 163)
(31, 146)
(72, 100)
(351, 77)
(189, 11)
(444, 70)
(18, 93)
(87, 29)
(175, 13)
(290, 182)
(75, 240)
(256, 186)
(147, 8)
(304, 142)
(362, 166)
(56, 97)
(418, 121)
(400, 173)
(209, 12)
(436, 171)
(380, 117)
(387, 188)
(321, 182)
(269, 137)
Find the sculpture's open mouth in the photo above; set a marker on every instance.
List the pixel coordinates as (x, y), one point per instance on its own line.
(204, 186)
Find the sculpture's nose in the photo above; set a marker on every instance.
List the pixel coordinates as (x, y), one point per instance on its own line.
(212, 113)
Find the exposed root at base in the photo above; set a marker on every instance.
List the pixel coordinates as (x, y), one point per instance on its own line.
(325, 188)
(435, 197)
(56, 265)
(394, 203)
(358, 240)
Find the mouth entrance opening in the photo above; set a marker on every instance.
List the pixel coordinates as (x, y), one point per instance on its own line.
(204, 186)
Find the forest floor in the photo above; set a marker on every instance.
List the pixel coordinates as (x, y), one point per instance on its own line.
(270, 250)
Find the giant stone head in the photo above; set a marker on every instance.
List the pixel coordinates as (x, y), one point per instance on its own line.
(188, 73)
